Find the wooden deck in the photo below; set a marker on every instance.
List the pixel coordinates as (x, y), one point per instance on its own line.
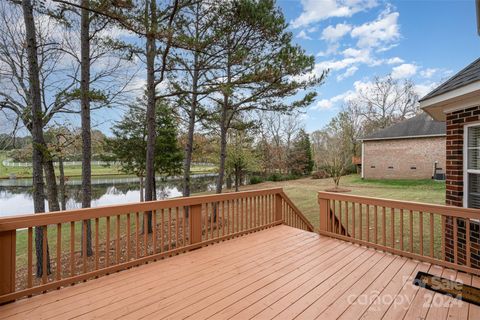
(281, 272)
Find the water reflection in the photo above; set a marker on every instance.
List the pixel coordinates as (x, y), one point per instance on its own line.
(17, 200)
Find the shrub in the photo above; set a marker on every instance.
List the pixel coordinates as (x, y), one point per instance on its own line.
(256, 179)
(320, 175)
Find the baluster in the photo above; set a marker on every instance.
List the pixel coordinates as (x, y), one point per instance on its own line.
(346, 219)
(162, 231)
(145, 233)
(223, 218)
(154, 231)
(217, 208)
(467, 241)
(169, 229)
(84, 245)
(96, 244)
(443, 237)
(384, 226)
(368, 223)
(375, 221)
(420, 227)
(59, 251)
(360, 212)
(44, 255)
(411, 230)
(72, 248)
(117, 243)
(401, 229)
(183, 224)
(455, 240)
(241, 214)
(107, 250)
(340, 217)
(431, 235)
(137, 246)
(176, 227)
(211, 220)
(353, 221)
(392, 225)
(30, 258)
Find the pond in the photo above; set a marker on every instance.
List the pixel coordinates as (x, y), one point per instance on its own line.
(16, 194)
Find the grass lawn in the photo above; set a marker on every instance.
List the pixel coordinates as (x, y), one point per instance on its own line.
(76, 171)
(303, 192)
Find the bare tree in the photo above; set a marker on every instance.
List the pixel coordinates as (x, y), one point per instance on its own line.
(386, 101)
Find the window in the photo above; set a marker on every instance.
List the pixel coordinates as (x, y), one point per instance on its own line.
(472, 174)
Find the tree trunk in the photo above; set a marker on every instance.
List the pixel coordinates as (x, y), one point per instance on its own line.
(37, 130)
(237, 179)
(85, 115)
(150, 114)
(191, 130)
(63, 192)
(141, 189)
(223, 153)
(50, 179)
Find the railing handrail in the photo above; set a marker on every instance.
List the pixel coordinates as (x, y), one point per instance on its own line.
(32, 220)
(297, 211)
(391, 225)
(445, 210)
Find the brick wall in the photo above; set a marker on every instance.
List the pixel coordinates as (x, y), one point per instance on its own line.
(403, 158)
(454, 185)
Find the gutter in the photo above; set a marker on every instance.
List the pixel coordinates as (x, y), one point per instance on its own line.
(404, 137)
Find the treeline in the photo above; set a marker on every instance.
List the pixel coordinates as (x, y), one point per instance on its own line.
(215, 65)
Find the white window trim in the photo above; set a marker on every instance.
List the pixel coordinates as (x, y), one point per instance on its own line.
(465, 162)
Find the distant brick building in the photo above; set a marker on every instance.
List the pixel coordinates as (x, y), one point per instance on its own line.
(457, 101)
(411, 149)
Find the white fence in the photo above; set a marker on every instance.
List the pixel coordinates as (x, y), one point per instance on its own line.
(7, 163)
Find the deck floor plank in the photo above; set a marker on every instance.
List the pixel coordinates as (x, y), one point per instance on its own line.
(281, 273)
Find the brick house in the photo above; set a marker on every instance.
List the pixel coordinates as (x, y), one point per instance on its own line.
(457, 101)
(411, 149)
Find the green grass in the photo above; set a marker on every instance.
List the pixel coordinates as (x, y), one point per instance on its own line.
(303, 192)
(76, 171)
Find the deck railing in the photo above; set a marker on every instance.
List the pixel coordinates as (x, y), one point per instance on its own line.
(426, 232)
(118, 238)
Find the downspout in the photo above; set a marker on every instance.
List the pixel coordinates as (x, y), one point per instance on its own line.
(363, 159)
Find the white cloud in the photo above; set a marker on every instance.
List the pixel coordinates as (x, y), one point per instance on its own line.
(423, 88)
(333, 33)
(331, 49)
(404, 71)
(303, 35)
(350, 72)
(395, 60)
(315, 10)
(379, 33)
(428, 73)
(329, 103)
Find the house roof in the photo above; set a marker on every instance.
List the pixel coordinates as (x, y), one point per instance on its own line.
(421, 125)
(467, 75)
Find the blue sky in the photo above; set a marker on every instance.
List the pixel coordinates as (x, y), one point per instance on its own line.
(426, 41)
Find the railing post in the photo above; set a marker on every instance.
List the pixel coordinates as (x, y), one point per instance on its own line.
(278, 207)
(195, 215)
(324, 205)
(7, 264)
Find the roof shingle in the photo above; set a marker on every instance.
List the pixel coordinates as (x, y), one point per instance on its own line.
(420, 125)
(467, 75)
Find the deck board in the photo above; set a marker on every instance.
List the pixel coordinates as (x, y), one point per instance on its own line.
(280, 273)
